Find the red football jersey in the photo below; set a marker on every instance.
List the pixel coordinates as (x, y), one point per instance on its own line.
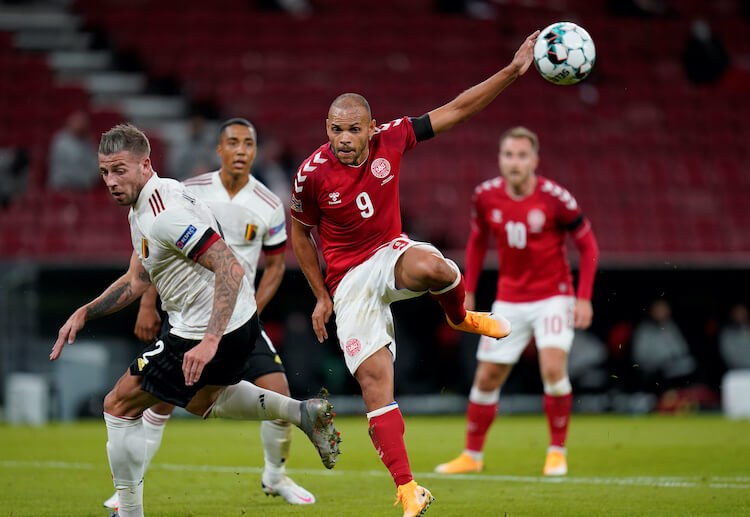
(356, 209)
(530, 239)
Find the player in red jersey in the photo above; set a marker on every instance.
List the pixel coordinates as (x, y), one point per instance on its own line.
(348, 188)
(529, 216)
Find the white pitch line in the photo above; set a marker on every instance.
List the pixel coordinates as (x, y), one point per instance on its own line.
(718, 482)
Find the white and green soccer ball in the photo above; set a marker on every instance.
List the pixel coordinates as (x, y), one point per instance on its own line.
(564, 53)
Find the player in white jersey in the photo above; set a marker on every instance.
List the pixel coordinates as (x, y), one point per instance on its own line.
(253, 220)
(199, 361)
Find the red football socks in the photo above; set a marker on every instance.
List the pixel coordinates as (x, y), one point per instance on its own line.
(452, 301)
(479, 418)
(557, 410)
(387, 434)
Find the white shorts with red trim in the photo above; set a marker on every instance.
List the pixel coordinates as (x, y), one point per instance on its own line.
(550, 320)
(362, 303)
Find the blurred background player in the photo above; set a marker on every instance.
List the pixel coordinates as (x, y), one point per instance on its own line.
(199, 358)
(662, 353)
(72, 155)
(253, 220)
(529, 216)
(349, 189)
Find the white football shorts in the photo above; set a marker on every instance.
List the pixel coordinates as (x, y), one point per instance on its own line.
(362, 303)
(551, 321)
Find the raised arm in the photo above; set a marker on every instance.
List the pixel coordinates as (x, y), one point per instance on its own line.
(228, 275)
(120, 294)
(473, 100)
(306, 251)
(273, 272)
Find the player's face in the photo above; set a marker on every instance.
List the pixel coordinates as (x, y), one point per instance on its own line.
(125, 174)
(349, 130)
(518, 161)
(237, 148)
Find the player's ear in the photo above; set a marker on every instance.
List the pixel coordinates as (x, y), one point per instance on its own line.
(373, 125)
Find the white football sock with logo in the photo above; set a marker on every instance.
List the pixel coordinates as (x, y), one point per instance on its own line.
(246, 401)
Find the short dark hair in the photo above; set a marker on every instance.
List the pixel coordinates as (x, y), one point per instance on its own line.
(236, 121)
(346, 100)
(124, 137)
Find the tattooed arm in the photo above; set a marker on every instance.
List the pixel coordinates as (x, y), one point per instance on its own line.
(228, 275)
(118, 295)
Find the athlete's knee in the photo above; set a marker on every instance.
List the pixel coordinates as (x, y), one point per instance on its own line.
(434, 271)
(162, 408)
(553, 373)
(112, 403)
(490, 376)
(370, 381)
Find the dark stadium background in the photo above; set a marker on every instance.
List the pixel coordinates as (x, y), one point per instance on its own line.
(656, 155)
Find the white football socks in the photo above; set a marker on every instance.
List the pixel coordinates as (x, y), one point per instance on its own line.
(246, 401)
(126, 450)
(153, 428)
(277, 440)
(130, 501)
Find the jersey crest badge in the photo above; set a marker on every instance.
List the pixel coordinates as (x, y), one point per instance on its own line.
(353, 347)
(496, 216)
(144, 248)
(380, 168)
(250, 231)
(536, 220)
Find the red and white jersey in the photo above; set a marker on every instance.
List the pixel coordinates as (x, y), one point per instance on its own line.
(251, 221)
(356, 209)
(170, 229)
(530, 238)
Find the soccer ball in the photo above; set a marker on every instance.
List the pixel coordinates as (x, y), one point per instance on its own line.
(564, 53)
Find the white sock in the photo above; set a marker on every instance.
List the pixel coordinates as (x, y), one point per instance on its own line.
(126, 450)
(153, 427)
(246, 401)
(130, 501)
(475, 455)
(277, 440)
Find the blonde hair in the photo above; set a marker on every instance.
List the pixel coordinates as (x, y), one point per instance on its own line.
(521, 132)
(124, 137)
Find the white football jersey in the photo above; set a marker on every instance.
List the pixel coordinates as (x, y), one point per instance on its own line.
(253, 220)
(170, 229)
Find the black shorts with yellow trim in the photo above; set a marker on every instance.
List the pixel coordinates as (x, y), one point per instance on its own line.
(264, 359)
(160, 364)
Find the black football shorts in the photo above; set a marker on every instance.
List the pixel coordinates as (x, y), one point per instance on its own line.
(160, 363)
(264, 359)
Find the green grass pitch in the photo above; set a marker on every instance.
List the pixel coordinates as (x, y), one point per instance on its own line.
(657, 466)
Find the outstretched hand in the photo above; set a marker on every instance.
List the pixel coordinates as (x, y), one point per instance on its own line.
(68, 332)
(525, 53)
